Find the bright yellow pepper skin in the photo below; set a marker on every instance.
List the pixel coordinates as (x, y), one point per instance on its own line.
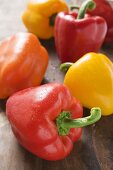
(37, 16)
(90, 79)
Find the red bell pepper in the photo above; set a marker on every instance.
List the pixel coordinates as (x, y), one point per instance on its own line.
(105, 10)
(41, 119)
(76, 35)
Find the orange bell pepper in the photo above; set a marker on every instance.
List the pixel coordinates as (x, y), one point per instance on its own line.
(23, 62)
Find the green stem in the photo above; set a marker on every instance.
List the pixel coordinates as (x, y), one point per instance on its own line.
(87, 5)
(65, 66)
(65, 123)
(85, 121)
(52, 19)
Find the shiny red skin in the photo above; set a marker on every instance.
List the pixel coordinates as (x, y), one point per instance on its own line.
(74, 38)
(104, 9)
(32, 113)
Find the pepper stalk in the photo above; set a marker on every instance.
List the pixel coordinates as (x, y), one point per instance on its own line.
(65, 123)
(87, 5)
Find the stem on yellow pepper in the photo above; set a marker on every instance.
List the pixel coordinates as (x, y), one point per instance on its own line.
(65, 66)
(52, 19)
(71, 7)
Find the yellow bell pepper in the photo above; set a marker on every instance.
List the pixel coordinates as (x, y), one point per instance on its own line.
(40, 15)
(90, 79)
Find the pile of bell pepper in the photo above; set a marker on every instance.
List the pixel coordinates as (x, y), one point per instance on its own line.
(75, 33)
(48, 119)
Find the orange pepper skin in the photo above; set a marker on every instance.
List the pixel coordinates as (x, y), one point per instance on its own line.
(23, 62)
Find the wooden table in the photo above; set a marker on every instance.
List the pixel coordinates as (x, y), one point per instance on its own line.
(94, 151)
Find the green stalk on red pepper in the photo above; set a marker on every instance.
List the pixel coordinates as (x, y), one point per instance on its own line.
(47, 120)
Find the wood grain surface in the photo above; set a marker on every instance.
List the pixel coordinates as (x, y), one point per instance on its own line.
(94, 151)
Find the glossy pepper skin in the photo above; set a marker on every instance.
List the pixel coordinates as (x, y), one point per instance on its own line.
(40, 15)
(75, 37)
(105, 10)
(34, 113)
(23, 62)
(90, 79)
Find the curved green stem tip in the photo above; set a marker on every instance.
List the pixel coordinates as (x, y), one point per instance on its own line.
(87, 5)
